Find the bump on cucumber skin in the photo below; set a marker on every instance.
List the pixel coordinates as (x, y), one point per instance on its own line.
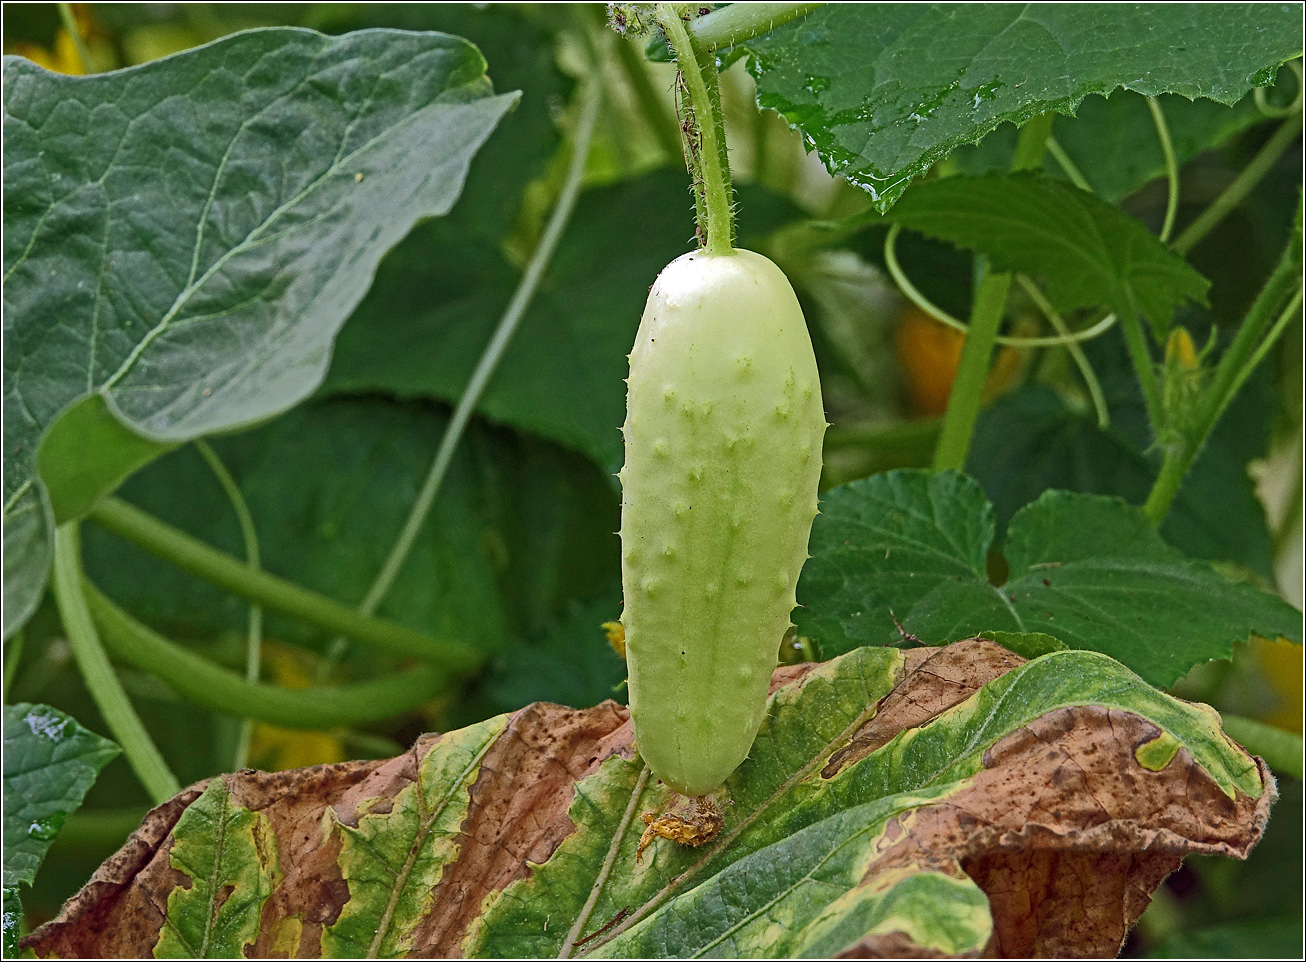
(723, 439)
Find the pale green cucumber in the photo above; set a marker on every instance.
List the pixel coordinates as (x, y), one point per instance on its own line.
(723, 453)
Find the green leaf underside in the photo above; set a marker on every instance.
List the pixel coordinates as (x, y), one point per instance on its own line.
(561, 375)
(392, 861)
(50, 762)
(570, 662)
(782, 819)
(851, 77)
(518, 46)
(1087, 252)
(201, 226)
(229, 854)
(1088, 570)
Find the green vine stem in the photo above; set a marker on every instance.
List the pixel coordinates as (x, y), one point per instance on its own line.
(972, 372)
(79, 42)
(221, 689)
(1240, 186)
(1068, 166)
(704, 134)
(1076, 352)
(193, 555)
(124, 724)
(1235, 366)
(1140, 355)
(254, 631)
(985, 320)
(485, 368)
(1171, 168)
(1063, 338)
(743, 21)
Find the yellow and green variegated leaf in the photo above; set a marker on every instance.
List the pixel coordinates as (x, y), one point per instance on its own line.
(229, 857)
(392, 860)
(809, 895)
(875, 779)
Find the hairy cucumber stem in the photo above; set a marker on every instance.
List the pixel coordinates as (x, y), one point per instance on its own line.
(743, 21)
(704, 134)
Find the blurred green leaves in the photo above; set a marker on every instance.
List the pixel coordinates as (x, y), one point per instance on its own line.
(421, 329)
(518, 529)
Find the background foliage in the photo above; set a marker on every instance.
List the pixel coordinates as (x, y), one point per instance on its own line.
(518, 560)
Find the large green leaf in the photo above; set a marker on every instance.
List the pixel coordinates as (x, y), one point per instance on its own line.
(1090, 571)
(570, 662)
(884, 91)
(519, 527)
(1089, 253)
(873, 778)
(185, 238)
(50, 762)
(421, 330)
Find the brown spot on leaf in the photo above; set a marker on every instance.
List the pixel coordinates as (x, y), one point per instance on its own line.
(519, 809)
(1068, 836)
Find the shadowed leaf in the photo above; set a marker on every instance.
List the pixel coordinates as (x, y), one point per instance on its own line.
(1088, 253)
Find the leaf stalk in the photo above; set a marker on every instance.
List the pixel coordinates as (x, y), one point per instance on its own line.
(223, 690)
(124, 723)
(193, 555)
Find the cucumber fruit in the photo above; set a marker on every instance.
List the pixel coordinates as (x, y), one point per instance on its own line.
(723, 435)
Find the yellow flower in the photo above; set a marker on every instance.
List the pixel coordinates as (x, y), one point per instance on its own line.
(275, 749)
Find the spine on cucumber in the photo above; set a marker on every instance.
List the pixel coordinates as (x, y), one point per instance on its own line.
(723, 454)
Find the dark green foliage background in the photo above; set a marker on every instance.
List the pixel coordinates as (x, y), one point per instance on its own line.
(520, 557)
